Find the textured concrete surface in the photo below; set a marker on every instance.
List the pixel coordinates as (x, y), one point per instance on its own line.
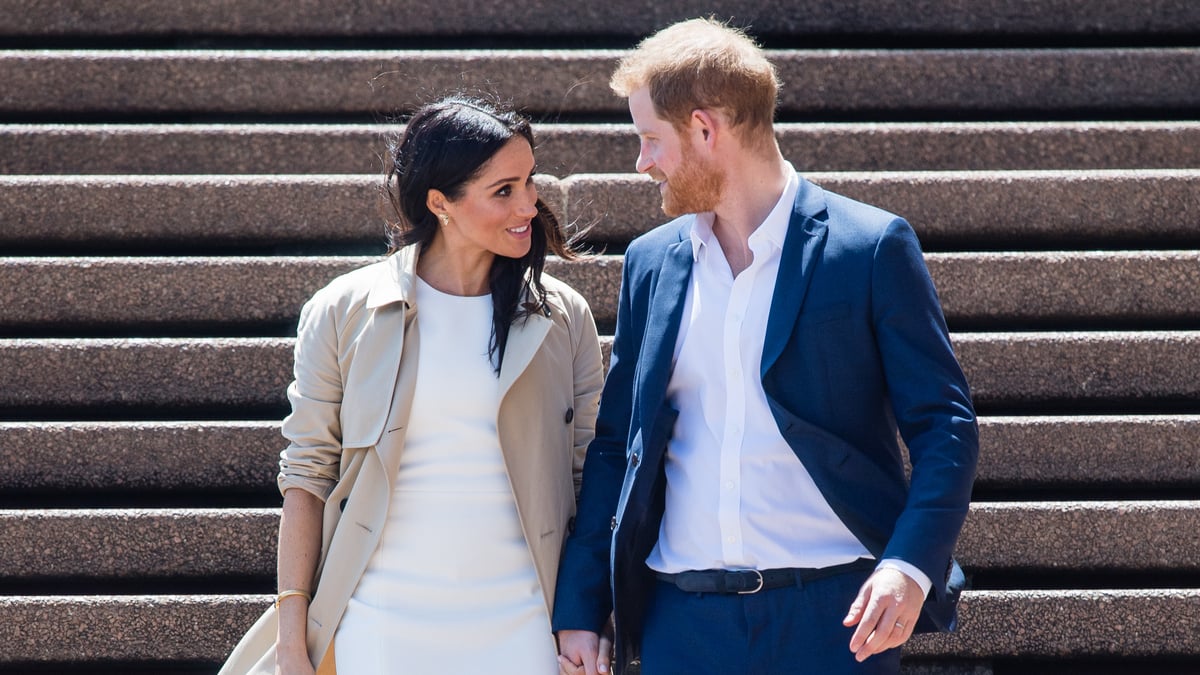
(211, 294)
(1069, 623)
(1034, 372)
(1031, 452)
(1053, 371)
(131, 543)
(1068, 289)
(1108, 536)
(992, 624)
(230, 373)
(622, 17)
(220, 210)
(211, 211)
(565, 149)
(1012, 210)
(1014, 537)
(828, 84)
(1094, 450)
(129, 457)
(101, 628)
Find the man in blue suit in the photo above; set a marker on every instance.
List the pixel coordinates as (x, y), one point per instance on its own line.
(745, 505)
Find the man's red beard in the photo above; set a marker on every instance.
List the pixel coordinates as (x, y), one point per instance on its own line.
(695, 187)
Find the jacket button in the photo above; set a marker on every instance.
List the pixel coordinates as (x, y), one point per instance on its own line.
(570, 415)
(613, 525)
(633, 460)
(342, 505)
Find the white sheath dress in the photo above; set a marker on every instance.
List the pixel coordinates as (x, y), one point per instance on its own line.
(451, 587)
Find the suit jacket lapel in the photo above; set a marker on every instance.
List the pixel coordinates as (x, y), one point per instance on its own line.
(801, 248)
(662, 325)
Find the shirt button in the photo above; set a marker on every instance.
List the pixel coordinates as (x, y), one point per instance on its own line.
(728, 485)
(731, 539)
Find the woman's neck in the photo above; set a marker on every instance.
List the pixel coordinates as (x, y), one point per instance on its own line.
(454, 272)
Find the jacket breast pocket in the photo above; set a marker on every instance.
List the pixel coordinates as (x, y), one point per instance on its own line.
(823, 314)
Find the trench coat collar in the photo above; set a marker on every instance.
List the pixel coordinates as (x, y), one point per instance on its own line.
(525, 336)
(397, 283)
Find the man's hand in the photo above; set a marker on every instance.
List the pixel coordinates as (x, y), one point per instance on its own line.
(582, 652)
(885, 610)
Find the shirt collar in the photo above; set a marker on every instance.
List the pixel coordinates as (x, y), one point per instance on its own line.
(773, 230)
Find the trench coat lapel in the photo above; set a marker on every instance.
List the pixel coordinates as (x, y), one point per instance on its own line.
(524, 339)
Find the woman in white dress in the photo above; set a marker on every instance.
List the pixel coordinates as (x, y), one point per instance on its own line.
(427, 489)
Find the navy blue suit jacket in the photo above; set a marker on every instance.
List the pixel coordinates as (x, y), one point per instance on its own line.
(856, 349)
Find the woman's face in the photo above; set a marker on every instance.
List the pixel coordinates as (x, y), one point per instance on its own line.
(495, 210)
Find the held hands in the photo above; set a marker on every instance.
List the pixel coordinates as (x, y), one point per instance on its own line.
(885, 610)
(582, 652)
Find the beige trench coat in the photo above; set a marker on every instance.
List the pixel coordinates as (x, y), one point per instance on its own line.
(348, 367)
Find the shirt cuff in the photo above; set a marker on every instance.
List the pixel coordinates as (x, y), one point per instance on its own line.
(908, 570)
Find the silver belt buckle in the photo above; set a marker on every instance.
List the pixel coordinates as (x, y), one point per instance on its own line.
(760, 584)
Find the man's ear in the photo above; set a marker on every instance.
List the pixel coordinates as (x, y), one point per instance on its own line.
(706, 126)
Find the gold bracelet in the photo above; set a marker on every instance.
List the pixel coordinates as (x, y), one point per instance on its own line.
(284, 594)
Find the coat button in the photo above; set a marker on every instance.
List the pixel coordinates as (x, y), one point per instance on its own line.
(569, 416)
(342, 505)
(613, 524)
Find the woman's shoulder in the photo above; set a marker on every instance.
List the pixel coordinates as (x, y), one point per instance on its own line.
(349, 289)
(561, 294)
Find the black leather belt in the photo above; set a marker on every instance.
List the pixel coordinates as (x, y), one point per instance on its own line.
(744, 582)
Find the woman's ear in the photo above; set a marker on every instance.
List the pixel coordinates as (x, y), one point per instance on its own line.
(436, 202)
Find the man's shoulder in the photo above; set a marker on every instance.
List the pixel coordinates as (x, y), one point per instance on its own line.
(861, 215)
(654, 243)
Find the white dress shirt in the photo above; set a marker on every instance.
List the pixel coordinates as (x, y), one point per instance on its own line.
(737, 496)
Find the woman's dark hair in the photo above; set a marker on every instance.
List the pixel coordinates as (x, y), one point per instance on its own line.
(443, 147)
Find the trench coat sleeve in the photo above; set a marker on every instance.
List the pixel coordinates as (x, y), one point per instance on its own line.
(312, 459)
(589, 380)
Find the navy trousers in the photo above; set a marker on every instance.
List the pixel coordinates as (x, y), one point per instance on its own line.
(795, 630)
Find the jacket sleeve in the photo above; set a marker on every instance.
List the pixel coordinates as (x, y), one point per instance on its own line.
(931, 403)
(311, 461)
(583, 599)
(588, 366)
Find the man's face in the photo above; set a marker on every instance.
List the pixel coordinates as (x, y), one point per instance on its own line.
(687, 181)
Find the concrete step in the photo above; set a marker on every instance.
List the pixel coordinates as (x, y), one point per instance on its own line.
(1015, 210)
(137, 544)
(1070, 624)
(619, 17)
(1050, 372)
(123, 458)
(1151, 452)
(565, 149)
(215, 294)
(1097, 453)
(1027, 624)
(198, 543)
(822, 84)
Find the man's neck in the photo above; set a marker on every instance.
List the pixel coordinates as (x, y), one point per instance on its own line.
(752, 189)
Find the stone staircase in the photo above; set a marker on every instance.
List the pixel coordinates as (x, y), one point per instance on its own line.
(176, 178)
